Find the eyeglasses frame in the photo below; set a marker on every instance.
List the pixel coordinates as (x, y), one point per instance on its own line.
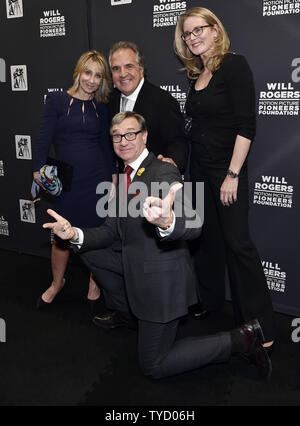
(124, 136)
(184, 38)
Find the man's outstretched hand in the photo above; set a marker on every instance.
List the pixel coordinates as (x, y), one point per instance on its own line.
(159, 211)
(62, 228)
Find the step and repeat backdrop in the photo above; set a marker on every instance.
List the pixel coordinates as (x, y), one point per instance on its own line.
(40, 43)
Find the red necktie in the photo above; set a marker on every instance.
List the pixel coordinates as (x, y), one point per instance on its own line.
(127, 171)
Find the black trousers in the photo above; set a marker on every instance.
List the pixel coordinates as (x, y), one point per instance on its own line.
(225, 240)
(160, 354)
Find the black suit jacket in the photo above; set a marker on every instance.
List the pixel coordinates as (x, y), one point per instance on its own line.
(164, 122)
(158, 273)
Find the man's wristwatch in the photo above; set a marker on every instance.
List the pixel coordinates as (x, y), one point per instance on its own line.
(232, 174)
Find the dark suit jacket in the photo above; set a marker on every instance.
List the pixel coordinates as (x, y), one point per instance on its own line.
(158, 273)
(164, 122)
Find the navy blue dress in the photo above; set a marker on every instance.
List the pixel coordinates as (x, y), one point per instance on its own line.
(80, 132)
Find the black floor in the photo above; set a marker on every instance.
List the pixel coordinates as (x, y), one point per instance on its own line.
(57, 357)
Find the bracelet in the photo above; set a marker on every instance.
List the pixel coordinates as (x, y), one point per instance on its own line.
(232, 174)
(75, 240)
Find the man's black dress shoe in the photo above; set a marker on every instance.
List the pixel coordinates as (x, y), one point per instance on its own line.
(114, 319)
(268, 349)
(252, 338)
(199, 312)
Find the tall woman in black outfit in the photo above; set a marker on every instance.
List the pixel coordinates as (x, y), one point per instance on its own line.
(222, 106)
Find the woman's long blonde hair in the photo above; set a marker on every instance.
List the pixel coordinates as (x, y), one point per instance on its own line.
(102, 94)
(193, 64)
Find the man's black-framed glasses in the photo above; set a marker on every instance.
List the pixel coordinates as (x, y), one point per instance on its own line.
(129, 136)
(197, 31)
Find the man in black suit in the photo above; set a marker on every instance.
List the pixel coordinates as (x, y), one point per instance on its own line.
(161, 111)
(143, 267)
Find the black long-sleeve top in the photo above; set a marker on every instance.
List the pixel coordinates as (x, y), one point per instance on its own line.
(224, 109)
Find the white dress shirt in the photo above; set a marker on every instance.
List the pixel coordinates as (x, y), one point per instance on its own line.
(132, 98)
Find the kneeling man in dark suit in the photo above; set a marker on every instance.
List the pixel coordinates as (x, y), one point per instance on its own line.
(140, 259)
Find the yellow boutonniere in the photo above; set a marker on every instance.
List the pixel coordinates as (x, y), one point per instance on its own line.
(140, 171)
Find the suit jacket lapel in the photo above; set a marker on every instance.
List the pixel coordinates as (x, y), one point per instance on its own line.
(146, 163)
(114, 106)
(139, 103)
(142, 98)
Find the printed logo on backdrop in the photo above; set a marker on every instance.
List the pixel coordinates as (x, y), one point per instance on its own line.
(14, 8)
(52, 24)
(276, 278)
(120, 2)
(52, 89)
(274, 192)
(4, 227)
(23, 147)
(19, 77)
(177, 93)
(280, 7)
(1, 168)
(166, 12)
(281, 98)
(27, 211)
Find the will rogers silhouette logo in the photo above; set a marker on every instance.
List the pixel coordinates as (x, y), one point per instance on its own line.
(19, 77)
(14, 8)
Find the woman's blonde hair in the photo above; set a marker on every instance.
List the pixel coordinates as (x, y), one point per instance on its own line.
(192, 63)
(102, 93)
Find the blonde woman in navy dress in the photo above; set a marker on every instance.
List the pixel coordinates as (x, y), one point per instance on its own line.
(76, 121)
